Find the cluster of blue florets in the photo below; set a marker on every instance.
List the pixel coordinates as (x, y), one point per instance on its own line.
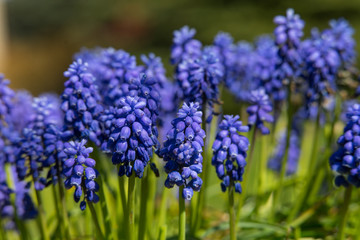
(345, 162)
(198, 71)
(259, 110)
(182, 150)
(12, 122)
(80, 102)
(79, 170)
(32, 155)
(131, 137)
(230, 152)
(117, 105)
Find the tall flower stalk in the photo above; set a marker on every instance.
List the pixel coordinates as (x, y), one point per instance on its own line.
(288, 33)
(182, 154)
(229, 161)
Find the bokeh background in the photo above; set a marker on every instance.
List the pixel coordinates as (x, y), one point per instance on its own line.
(39, 37)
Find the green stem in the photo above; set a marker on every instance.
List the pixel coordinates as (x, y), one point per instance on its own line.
(261, 173)
(131, 208)
(143, 200)
(357, 233)
(201, 201)
(343, 213)
(150, 203)
(64, 215)
(2, 232)
(41, 217)
(58, 213)
(285, 159)
(104, 210)
(122, 191)
(328, 151)
(163, 231)
(162, 211)
(247, 171)
(300, 200)
(232, 213)
(95, 220)
(101, 159)
(20, 225)
(182, 216)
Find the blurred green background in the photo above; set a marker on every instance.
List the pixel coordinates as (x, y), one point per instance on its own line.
(39, 37)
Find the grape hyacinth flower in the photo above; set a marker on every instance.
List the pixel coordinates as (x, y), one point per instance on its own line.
(80, 172)
(199, 79)
(259, 111)
(154, 69)
(265, 62)
(131, 135)
(223, 43)
(184, 46)
(340, 35)
(6, 132)
(6, 209)
(81, 102)
(240, 80)
(322, 65)
(288, 33)
(6, 95)
(168, 106)
(112, 70)
(146, 88)
(182, 150)
(25, 208)
(345, 161)
(31, 157)
(22, 112)
(230, 150)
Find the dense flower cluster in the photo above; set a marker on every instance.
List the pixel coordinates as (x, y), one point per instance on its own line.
(223, 43)
(345, 161)
(12, 121)
(184, 45)
(199, 78)
(80, 172)
(288, 33)
(6, 95)
(322, 63)
(131, 137)
(240, 79)
(6, 209)
(118, 105)
(259, 110)
(265, 63)
(146, 88)
(25, 208)
(154, 69)
(340, 35)
(230, 152)
(182, 150)
(80, 102)
(31, 158)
